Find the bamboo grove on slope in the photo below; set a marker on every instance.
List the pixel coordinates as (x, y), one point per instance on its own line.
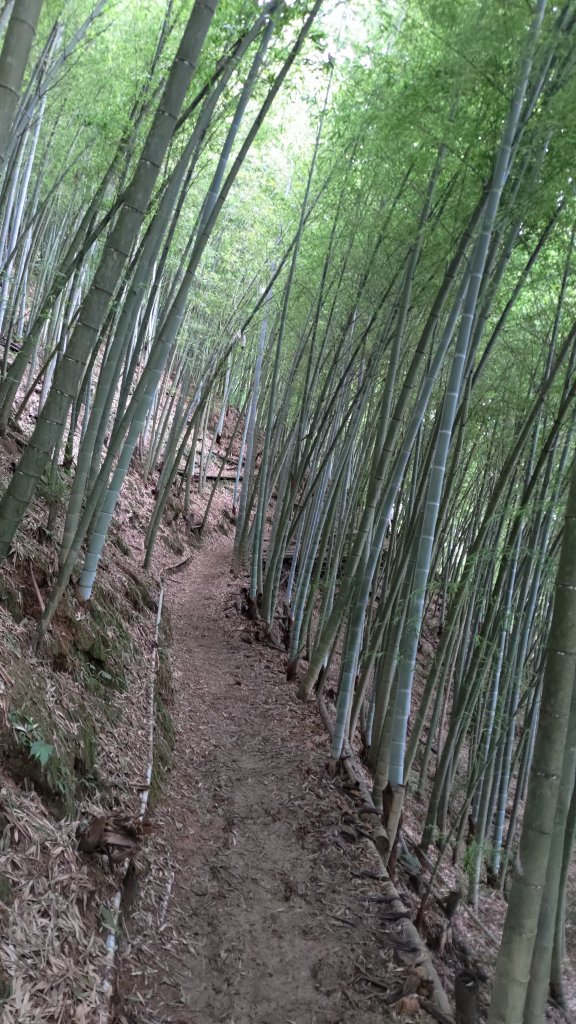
(398, 342)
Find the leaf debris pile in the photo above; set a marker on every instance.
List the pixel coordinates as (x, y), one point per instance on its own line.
(53, 950)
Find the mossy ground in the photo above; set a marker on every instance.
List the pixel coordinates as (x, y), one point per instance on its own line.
(65, 698)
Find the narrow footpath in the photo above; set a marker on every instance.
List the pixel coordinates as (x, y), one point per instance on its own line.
(260, 905)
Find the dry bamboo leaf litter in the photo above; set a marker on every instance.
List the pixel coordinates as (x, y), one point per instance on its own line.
(53, 952)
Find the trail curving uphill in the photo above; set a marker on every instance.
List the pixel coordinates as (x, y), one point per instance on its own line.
(259, 907)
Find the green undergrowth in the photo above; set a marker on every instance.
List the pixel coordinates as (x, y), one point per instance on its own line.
(49, 737)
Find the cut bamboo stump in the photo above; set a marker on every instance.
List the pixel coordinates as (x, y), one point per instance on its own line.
(466, 996)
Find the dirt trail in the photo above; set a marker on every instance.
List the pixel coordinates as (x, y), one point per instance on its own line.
(269, 919)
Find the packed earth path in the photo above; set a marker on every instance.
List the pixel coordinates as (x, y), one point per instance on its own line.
(270, 911)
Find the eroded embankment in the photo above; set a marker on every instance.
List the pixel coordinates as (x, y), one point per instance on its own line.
(74, 744)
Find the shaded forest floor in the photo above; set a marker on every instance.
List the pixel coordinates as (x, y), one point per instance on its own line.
(259, 905)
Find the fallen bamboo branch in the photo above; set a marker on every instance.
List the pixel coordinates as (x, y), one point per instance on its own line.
(407, 927)
(39, 597)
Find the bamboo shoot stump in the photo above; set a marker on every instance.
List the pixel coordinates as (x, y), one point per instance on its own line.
(393, 799)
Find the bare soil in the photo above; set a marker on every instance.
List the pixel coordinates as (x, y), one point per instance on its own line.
(259, 905)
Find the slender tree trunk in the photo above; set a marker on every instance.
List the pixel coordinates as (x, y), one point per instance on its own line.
(13, 60)
(512, 974)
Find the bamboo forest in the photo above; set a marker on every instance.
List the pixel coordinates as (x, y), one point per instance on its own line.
(287, 511)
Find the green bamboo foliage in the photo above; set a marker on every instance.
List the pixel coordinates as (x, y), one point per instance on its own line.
(69, 373)
(502, 170)
(135, 322)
